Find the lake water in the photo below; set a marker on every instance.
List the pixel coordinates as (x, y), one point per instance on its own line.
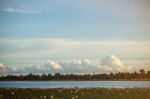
(71, 84)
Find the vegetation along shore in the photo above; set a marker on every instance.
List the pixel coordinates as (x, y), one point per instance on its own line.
(142, 75)
(75, 93)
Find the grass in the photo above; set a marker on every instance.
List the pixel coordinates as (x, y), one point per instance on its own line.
(75, 93)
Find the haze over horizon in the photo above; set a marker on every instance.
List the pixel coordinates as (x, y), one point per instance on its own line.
(74, 36)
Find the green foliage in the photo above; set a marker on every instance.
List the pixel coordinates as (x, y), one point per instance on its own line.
(75, 93)
(141, 75)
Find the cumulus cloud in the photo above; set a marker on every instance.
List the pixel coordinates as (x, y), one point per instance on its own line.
(108, 64)
(80, 62)
(48, 66)
(86, 61)
(2, 68)
(79, 66)
(112, 63)
(6, 69)
(105, 68)
(54, 65)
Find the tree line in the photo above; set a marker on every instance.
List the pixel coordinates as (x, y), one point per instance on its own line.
(141, 75)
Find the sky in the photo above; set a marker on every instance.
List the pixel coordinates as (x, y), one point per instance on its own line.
(74, 36)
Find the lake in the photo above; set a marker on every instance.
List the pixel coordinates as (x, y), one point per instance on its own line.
(71, 84)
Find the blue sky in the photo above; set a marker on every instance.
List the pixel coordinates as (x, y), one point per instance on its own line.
(33, 32)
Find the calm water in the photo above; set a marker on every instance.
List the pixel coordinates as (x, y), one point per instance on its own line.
(70, 84)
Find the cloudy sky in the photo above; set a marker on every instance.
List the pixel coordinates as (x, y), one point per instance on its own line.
(74, 36)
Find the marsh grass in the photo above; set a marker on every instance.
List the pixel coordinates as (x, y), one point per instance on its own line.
(75, 93)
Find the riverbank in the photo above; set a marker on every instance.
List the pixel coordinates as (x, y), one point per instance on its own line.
(75, 93)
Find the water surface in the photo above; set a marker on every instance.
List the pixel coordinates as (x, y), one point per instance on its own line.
(71, 84)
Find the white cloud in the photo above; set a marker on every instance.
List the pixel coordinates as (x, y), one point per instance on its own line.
(105, 68)
(112, 63)
(2, 68)
(54, 65)
(47, 67)
(78, 66)
(6, 69)
(77, 62)
(86, 61)
(17, 51)
(80, 62)
(108, 64)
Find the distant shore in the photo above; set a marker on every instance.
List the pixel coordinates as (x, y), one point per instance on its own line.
(75, 93)
(142, 75)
